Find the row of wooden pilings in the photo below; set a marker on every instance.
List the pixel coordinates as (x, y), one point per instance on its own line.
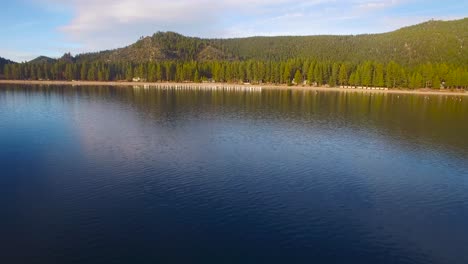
(201, 87)
(364, 88)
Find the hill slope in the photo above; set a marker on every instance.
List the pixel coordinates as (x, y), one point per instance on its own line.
(162, 46)
(432, 41)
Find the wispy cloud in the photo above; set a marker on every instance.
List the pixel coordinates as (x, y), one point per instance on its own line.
(113, 23)
(373, 5)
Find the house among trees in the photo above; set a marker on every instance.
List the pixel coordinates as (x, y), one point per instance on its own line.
(138, 79)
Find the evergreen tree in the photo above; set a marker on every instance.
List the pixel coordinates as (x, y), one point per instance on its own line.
(392, 74)
(39, 73)
(352, 79)
(343, 75)
(427, 74)
(68, 72)
(298, 77)
(7, 72)
(334, 75)
(129, 73)
(366, 74)
(378, 79)
(33, 72)
(287, 74)
(84, 72)
(196, 77)
(310, 75)
(436, 82)
(318, 74)
(92, 73)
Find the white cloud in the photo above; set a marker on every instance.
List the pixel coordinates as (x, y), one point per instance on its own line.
(99, 24)
(373, 5)
(105, 24)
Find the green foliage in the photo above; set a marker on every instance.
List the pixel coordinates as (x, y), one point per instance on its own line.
(287, 74)
(298, 77)
(378, 79)
(318, 74)
(69, 72)
(416, 81)
(433, 41)
(367, 73)
(129, 73)
(343, 75)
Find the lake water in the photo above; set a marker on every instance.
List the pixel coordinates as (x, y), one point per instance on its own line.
(133, 175)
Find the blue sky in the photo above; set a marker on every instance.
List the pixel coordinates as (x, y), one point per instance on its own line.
(53, 27)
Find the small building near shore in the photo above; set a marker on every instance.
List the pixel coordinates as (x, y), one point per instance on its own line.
(138, 79)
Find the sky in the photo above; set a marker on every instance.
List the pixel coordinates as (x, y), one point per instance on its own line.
(31, 28)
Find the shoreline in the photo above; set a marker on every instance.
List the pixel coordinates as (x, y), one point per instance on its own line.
(236, 86)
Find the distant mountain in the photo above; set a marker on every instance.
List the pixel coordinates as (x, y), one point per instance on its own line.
(163, 46)
(432, 41)
(42, 59)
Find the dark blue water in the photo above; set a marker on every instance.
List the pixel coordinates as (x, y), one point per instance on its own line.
(132, 175)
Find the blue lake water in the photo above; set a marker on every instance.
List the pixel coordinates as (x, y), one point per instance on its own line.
(133, 175)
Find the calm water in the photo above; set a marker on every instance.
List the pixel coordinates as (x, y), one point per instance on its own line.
(133, 175)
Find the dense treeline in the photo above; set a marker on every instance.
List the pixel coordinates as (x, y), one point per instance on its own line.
(293, 71)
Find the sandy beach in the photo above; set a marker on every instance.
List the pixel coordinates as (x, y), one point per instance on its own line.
(237, 86)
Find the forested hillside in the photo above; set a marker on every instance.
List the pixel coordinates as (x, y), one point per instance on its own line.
(428, 55)
(433, 41)
(162, 46)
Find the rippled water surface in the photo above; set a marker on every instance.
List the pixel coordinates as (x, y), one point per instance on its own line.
(133, 175)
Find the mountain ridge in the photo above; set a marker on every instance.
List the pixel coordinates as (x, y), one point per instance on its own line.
(431, 41)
